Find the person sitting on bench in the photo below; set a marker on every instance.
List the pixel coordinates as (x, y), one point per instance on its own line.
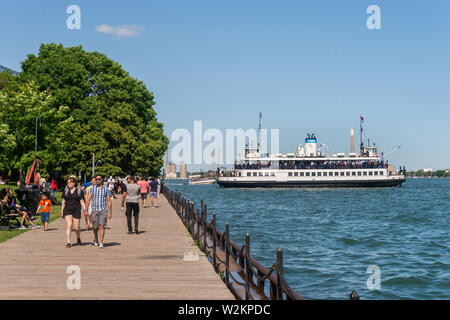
(10, 210)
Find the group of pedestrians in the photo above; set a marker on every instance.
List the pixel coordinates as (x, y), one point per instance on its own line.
(96, 205)
(94, 202)
(148, 186)
(138, 188)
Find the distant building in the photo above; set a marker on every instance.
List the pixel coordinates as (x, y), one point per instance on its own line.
(183, 174)
(171, 171)
(427, 170)
(171, 168)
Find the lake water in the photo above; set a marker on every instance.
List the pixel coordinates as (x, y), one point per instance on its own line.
(331, 236)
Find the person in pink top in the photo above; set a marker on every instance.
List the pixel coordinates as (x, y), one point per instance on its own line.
(143, 184)
(53, 186)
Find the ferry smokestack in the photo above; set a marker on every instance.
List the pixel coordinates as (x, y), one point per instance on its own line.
(352, 140)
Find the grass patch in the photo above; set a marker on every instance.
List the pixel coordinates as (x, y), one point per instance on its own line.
(8, 234)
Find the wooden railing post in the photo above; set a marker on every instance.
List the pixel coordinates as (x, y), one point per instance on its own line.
(214, 239)
(197, 224)
(201, 207)
(247, 267)
(200, 223)
(279, 272)
(205, 233)
(192, 219)
(227, 253)
(354, 295)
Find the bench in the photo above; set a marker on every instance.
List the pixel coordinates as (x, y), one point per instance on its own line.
(7, 217)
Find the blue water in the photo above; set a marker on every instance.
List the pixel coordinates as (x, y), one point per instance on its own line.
(331, 236)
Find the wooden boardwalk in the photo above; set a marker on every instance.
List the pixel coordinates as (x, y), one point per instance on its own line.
(145, 266)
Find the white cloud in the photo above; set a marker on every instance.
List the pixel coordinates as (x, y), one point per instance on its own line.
(121, 31)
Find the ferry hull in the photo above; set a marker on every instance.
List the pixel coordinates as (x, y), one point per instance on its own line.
(311, 184)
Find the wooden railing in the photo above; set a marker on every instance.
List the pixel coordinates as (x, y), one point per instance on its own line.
(249, 279)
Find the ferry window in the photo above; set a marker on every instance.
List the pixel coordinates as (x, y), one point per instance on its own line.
(359, 173)
(347, 173)
(381, 173)
(255, 174)
(266, 174)
(290, 174)
(296, 174)
(353, 173)
(325, 174)
(260, 174)
(239, 174)
(342, 173)
(272, 174)
(249, 174)
(370, 173)
(376, 173)
(319, 174)
(365, 173)
(302, 174)
(307, 174)
(313, 174)
(336, 173)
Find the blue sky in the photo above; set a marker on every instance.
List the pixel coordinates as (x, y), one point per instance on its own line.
(308, 66)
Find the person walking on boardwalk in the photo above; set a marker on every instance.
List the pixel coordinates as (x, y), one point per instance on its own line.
(111, 183)
(143, 184)
(100, 197)
(153, 192)
(45, 206)
(88, 186)
(53, 186)
(72, 203)
(130, 196)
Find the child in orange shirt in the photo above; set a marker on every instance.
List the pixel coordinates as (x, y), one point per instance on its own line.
(45, 205)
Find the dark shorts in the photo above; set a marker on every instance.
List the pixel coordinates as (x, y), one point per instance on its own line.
(75, 213)
(45, 216)
(144, 195)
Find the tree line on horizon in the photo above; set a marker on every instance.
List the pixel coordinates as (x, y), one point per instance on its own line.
(422, 173)
(83, 103)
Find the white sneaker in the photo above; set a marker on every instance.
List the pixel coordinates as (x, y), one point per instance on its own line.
(95, 243)
(101, 246)
(35, 226)
(22, 227)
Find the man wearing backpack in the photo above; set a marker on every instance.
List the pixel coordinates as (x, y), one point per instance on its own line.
(100, 196)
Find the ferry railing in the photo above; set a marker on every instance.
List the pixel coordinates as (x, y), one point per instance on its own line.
(245, 277)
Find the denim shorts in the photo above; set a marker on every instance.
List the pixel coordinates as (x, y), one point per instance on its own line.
(153, 194)
(45, 216)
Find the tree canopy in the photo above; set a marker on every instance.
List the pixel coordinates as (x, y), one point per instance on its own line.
(86, 103)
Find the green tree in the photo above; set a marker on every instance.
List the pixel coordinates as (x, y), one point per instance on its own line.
(6, 78)
(106, 111)
(19, 108)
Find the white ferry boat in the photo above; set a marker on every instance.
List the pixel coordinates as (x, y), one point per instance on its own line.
(309, 166)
